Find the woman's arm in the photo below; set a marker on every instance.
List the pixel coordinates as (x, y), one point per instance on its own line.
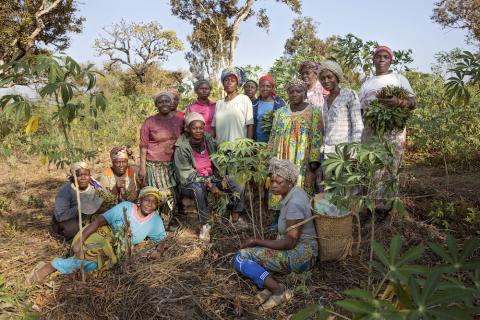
(250, 131)
(288, 243)
(91, 228)
(355, 117)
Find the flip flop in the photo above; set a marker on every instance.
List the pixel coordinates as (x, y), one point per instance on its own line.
(263, 296)
(32, 277)
(276, 300)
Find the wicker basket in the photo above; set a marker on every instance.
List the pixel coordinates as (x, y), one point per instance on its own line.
(334, 236)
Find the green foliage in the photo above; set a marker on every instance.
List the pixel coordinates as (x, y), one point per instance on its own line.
(446, 291)
(12, 300)
(34, 202)
(442, 213)
(267, 121)
(383, 119)
(4, 204)
(466, 74)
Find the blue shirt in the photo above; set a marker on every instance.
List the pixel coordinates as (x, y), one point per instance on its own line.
(263, 107)
(150, 227)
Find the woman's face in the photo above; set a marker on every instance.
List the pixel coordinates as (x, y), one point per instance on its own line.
(203, 91)
(176, 101)
(164, 104)
(250, 89)
(382, 62)
(266, 89)
(197, 130)
(230, 84)
(329, 80)
(308, 76)
(83, 178)
(120, 166)
(279, 185)
(296, 95)
(148, 204)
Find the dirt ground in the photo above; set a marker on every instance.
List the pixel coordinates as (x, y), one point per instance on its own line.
(192, 280)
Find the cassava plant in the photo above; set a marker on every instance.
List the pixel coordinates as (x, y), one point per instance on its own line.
(406, 291)
(247, 161)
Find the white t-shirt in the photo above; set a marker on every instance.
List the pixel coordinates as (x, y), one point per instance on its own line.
(373, 85)
(232, 117)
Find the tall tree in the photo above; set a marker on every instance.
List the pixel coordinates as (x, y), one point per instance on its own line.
(32, 26)
(462, 14)
(304, 38)
(216, 24)
(137, 46)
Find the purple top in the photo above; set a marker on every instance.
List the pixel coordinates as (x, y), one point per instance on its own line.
(159, 136)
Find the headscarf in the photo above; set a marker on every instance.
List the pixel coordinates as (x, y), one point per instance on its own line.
(200, 82)
(252, 81)
(193, 116)
(119, 153)
(149, 190)
(284, 169)
(334, 68)
(297, 83)
(309, 65)
(268, 78)
(239, 73)
(78, 165)
(167, 93)
(386, 49)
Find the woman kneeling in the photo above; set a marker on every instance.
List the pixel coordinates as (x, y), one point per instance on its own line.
(100, 244)
(295, 249)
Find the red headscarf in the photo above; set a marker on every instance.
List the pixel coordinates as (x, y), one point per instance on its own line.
(269, 79)
(386, 49)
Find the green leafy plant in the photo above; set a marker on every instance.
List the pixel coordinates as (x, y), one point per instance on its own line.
(465, 73)
(267, 121)
(35, 202)
(442, 213)
(384, 119)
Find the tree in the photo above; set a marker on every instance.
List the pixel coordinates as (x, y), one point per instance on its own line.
(304, 38)
(215, 28)
(31, 26)
(137, 46)
(461, 14)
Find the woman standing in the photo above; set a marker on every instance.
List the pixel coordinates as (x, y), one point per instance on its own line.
(294, 250)
(268, 101)
(157, 140)
(250, 89)
(203, 105)
(101, 238)
(297, 136)
(315, 92)
(382, 59)
(341, 111)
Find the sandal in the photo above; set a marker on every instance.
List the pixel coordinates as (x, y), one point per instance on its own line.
(263, 296)
(276, 300)
(33, 277)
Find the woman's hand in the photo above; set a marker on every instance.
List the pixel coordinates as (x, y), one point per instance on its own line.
(391, 102)
(247, 243)
(142, 173)
(76, 248)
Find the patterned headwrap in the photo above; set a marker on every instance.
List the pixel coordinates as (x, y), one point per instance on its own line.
(239, 73)
(167, 93)
(309, 65)
(119, 153)
(333, 67)
(78, 165)
(284, 169)
(193, 116)
(268, 78)
(149, 190)
(297, 83)
(386, 49)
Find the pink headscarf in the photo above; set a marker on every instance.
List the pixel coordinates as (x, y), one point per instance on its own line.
(386, 49)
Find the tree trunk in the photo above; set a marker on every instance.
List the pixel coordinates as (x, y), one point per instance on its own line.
(241, 16)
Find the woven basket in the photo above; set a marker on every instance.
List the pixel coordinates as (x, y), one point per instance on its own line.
(334, 236)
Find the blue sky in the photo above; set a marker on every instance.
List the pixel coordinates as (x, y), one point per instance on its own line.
(399, 24)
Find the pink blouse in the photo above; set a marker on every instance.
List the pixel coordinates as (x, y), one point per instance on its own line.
(203, 163)
(206, 110)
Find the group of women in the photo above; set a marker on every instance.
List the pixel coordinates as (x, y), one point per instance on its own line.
(176, 162)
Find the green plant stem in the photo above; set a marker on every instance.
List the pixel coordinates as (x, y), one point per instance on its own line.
(251, 209)
(372, 238)
(339, 315)
(77, 192)
(260, 195)
(381, 284)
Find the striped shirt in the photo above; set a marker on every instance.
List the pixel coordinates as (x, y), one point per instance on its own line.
(343, 120)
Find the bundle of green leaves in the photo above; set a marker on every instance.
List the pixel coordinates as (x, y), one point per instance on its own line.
(267, 121)
(384, 119)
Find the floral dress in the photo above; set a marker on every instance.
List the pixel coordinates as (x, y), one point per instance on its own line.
(297, 137)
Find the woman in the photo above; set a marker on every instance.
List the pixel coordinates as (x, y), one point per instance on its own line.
(341, 111)
(295, 249)
(233, 115)
(315, 92)
(157, 140)
(382, 59)
(268, 101)
(203, 105)
(176, 102)
(120, 179)
(101, 247)
(297, 136)
(250, 89)
(199, 175)
(65, 214)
